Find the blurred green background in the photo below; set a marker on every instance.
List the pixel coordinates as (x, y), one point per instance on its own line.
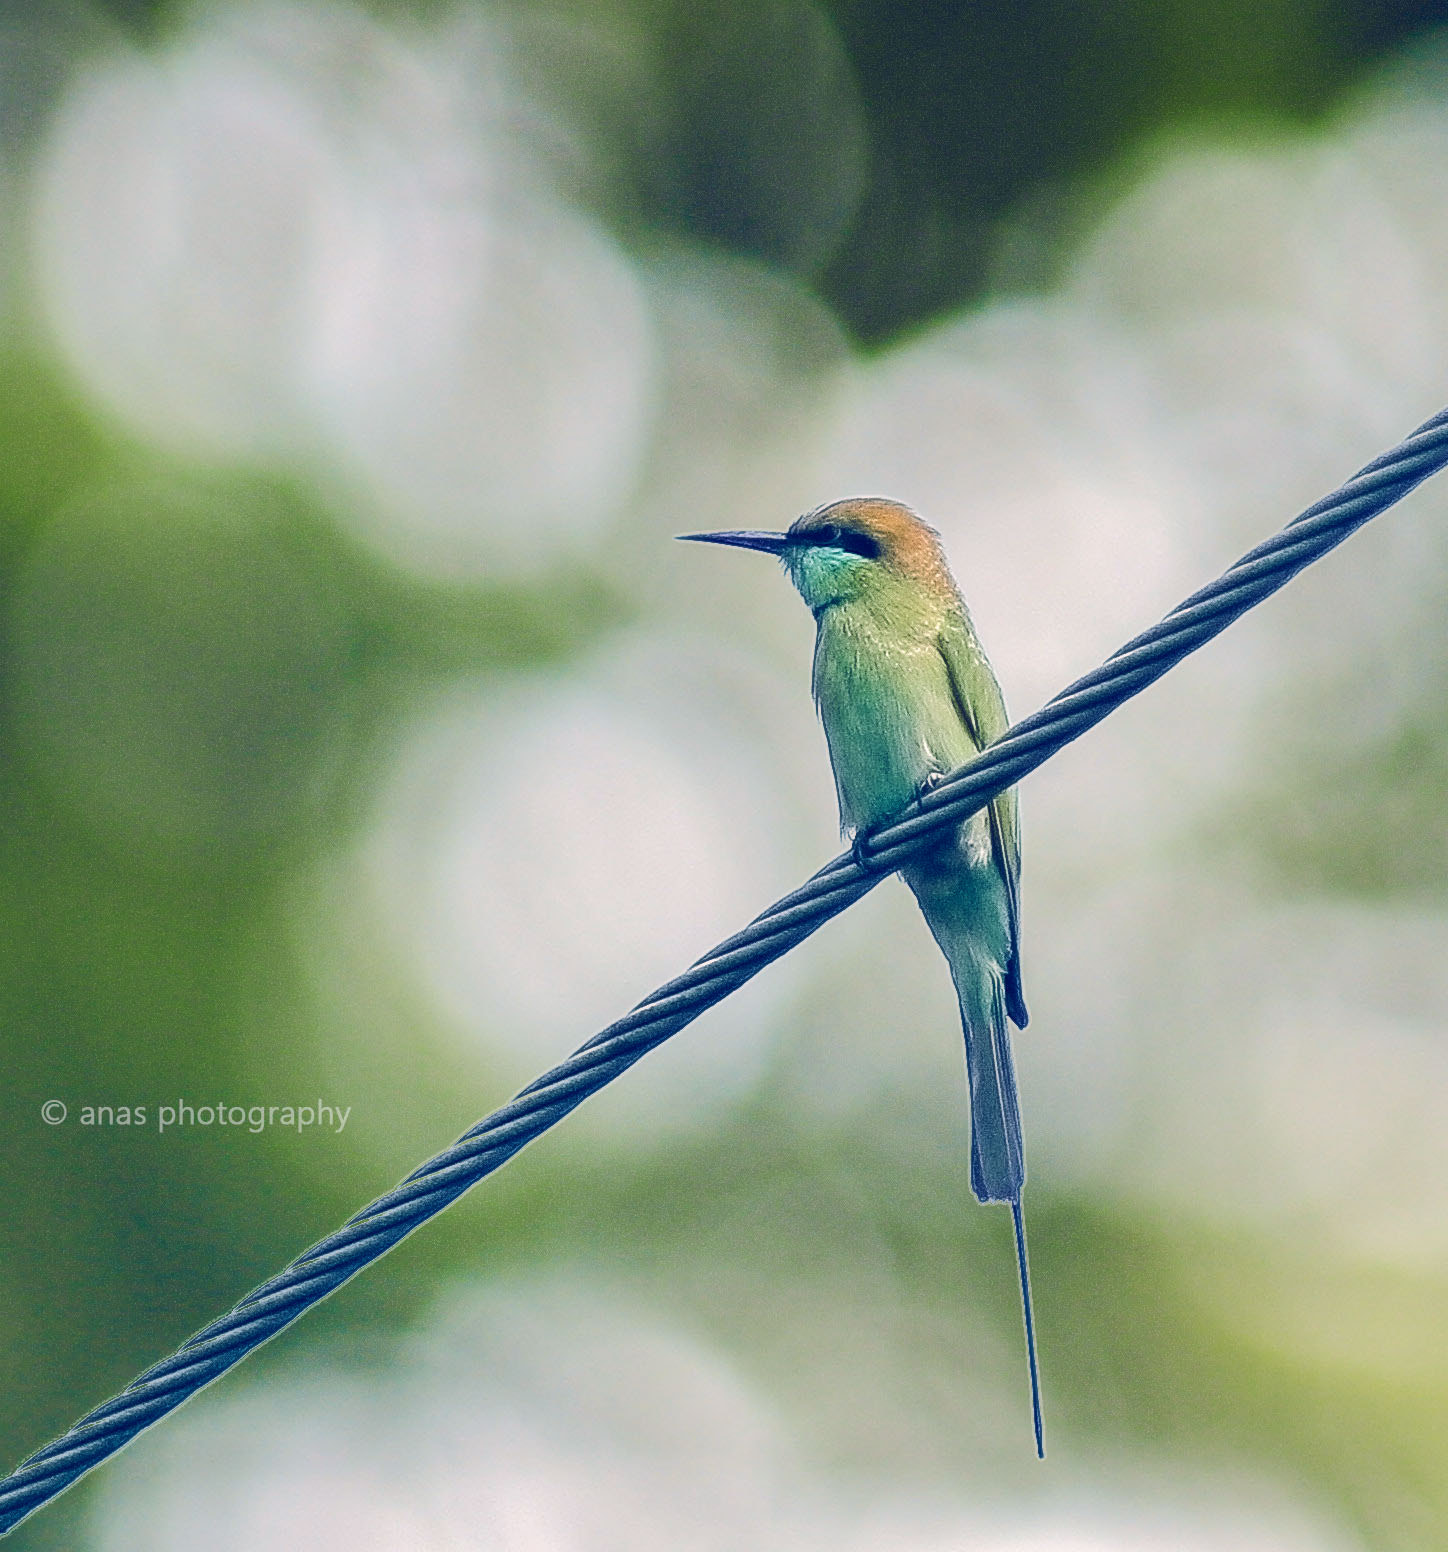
(367, 742)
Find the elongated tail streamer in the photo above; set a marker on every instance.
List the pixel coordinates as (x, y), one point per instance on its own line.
(1025, 1271)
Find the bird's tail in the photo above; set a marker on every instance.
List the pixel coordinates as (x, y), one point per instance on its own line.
(997, 1151)
(1025, 1270)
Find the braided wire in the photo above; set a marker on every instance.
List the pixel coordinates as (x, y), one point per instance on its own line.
(373, 1231)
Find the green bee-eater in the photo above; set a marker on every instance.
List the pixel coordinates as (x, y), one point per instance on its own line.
(906, 694)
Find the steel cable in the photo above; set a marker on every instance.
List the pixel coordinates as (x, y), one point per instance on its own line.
(319, 1271)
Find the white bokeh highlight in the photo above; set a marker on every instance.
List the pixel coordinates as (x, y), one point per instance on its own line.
(180, 215)
(296, 234)
(552, 1416)
(548, 851)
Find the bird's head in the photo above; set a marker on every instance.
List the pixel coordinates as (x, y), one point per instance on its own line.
(856, 550)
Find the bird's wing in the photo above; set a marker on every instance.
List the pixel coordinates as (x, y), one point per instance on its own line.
(983, 710)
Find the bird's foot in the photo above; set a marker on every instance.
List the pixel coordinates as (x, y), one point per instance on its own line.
(865, 835)
(926, 787)
(860, 847)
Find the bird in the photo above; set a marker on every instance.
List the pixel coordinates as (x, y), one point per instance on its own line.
(906, 694)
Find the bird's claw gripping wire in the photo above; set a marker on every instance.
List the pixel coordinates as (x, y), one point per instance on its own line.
(864, 837)
(932, 780)
(860, 847)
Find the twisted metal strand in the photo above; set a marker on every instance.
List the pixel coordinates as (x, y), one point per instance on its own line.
(372, 1232)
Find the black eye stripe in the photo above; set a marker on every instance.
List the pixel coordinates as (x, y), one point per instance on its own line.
(860, 544)
(832, 536)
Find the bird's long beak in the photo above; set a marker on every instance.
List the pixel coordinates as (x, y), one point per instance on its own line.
(744, 538)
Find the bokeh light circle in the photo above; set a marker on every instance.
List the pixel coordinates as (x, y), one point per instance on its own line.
(547, 851)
